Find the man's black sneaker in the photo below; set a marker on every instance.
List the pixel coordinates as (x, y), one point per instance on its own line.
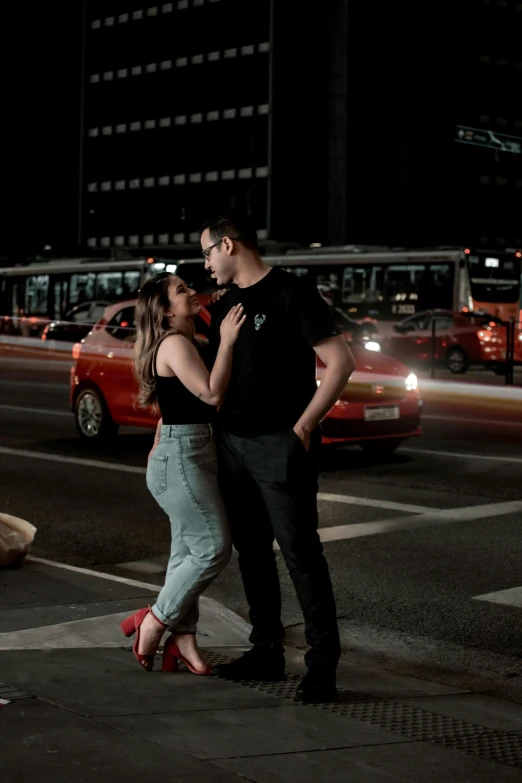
(262, 662)
(316, 687)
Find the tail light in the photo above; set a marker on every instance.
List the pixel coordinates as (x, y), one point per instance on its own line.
(76, 351)
(44, 333)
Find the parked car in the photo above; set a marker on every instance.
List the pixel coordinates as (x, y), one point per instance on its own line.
(77, 323)
(461, 340)
(379, 408)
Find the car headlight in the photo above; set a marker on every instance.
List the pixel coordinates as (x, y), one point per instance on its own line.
(411, 382)
(371, 345)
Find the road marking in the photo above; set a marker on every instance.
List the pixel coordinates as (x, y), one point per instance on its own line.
(374, 503)
(460, 455)
(33, 385)
(464, 420)
(510, 597)
(431, 519)
(43, 411)
(87, 463)
(92, 463)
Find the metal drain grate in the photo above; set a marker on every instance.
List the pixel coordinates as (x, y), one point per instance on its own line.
(403, 719)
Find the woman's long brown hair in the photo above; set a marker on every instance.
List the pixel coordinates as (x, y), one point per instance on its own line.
(151, 326)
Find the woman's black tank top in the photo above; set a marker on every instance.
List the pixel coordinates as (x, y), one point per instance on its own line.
(177, 404)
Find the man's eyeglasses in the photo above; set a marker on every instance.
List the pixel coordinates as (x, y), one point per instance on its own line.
(206, 252)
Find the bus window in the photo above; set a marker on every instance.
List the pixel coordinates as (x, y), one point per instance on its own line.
(82, 288)
(36, 295)
(300, 271)
(362, 284)
(109, 286)
(131, 283)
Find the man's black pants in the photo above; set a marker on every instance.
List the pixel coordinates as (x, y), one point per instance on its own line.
(269, 484)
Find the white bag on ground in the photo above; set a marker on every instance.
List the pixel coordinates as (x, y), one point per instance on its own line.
(16, 537)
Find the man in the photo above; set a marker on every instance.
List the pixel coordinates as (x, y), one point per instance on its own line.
(268, 449)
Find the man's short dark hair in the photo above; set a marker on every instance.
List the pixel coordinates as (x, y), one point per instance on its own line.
(234, 225)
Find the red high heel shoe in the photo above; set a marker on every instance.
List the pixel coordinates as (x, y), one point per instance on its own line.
(131, 625)
(171, 656)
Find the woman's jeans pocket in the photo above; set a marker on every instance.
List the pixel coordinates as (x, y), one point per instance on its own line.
(157, 474)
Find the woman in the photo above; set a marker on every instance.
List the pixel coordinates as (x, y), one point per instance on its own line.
(182, 466)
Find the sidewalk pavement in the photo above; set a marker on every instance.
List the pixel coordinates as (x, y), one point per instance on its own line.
(79, 707)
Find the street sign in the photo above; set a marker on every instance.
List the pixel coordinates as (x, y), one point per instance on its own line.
(486, 138)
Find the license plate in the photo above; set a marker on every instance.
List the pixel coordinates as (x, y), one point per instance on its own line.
(381, 414)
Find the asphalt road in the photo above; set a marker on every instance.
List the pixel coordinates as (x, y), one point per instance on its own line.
(412, 539)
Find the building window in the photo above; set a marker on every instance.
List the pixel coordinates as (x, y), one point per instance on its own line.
(197, 59)
(96, 24)
(518, 123)
(195, 179)
(194, 236)
(134, 239)
(245, 50)
(212, 57)
(518, 183)
(246, 111)
(134, 184)
(108, 76)
(245, 173)
(136, 70)
(93, 132)
(166, 65)
(179, 239)
(150, 124)
(106, 186)
(501, 121)
(94, 78)
(181, 120)
(198, 2)
(165, 122)
(264, 47)
(211, 176)
(135, 126)
(502, 62)
(120, 184)
(181, 62)
(262, 171)
(212, 116)
(91, 242)
(179, 179)
(229, 114)
(107, 130)
(229, 53)
(152, 11)
(164, 180)
(109, 21)
(122, 73)
(122, 18)
(196, 118)
(121, 128)
(228, 174)
(485, 119)
(263, 108)
(119, 241)
(105, 242)
(484, 180)
(151, 67)
(167, 8)
(149, 182)
(262, 233)
(182, 5)
(163, 239)
(92, 187)
(501, 181)
(137, 15)
(148, 239)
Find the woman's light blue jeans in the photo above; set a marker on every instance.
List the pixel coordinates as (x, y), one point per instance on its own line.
(182, 476)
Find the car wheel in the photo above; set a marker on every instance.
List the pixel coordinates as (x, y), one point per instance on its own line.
(93, 420)
(457, 360)
(385, 446)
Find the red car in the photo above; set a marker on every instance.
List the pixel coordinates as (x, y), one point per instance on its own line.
(461, 340)
(379, 408)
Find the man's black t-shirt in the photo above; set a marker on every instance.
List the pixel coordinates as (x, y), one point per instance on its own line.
(273, 372)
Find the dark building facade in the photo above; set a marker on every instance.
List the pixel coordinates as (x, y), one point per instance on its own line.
(189, 109)
(338, 126)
